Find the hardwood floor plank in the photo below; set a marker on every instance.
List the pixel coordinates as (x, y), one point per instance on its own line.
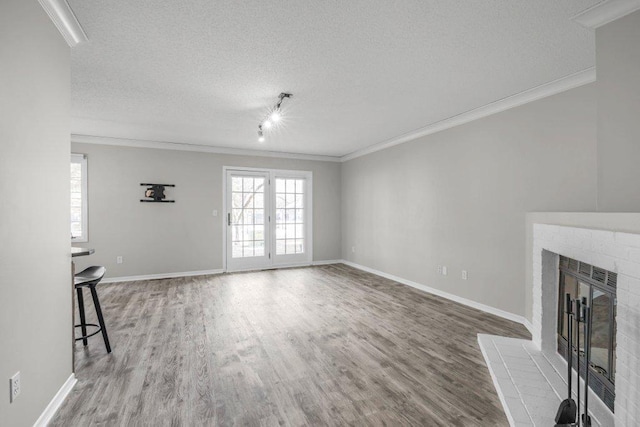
(328, 345)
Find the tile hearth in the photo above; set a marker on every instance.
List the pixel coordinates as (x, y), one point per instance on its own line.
(529, 386)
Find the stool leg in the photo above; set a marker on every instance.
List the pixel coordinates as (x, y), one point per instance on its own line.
(96, 303)
(83, 321)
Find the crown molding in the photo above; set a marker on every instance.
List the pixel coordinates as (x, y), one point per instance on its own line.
(605, 12)
(65, 21)
(552, 88)
(137, 143)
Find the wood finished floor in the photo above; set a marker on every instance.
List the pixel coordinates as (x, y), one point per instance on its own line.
(327, 345)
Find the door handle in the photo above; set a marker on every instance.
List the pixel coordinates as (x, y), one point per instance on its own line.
(229, 219)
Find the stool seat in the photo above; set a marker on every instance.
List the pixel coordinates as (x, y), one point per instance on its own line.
(89, 278)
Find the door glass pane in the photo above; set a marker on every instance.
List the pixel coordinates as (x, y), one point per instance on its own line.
(568, 284)
(289, 216)
(583, 292)
(600, 327)
(247, 216)
(613, 358)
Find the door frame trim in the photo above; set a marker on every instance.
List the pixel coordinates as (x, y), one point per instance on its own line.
(308, 175)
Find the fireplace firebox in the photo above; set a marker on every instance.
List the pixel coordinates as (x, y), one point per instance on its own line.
(598, 287)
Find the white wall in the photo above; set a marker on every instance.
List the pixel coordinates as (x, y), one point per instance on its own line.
(618, 63)
(459, 197)
(183, 236)
(35, 263)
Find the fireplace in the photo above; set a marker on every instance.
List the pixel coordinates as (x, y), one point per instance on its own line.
(615, 255)
(602, 266)
(597, 287)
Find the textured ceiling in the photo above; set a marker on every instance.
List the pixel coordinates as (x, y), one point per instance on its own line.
(361, 71)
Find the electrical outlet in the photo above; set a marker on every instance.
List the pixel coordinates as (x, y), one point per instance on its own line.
(119, 259)
(439, 269)
(353, 249)
(215, 212)
(444, 270)
(465, 276)
(14, 387)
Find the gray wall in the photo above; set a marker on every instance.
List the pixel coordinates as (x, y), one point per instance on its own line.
(618, 63)
(182, 237)
(459, 197)
(35, 264)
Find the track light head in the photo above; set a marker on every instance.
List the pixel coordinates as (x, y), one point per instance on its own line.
(274, 117)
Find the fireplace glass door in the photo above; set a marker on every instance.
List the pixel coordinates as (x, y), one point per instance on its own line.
(598, 288)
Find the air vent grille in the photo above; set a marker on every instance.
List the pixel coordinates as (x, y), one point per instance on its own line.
(584, 269)
(609, 399)
(596, 385)
(612, 279)
(597, 274)
(573, 264)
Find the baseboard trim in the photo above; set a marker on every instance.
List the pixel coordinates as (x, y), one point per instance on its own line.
(328, 262)
(455, 298)
(527, 324)
(207, 272)
(292, 265)
(56, 402)
(161, 276)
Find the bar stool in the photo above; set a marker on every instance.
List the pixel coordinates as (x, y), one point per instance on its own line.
(89, 278)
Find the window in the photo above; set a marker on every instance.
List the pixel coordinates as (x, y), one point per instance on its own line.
(79, 198)
(290, 219)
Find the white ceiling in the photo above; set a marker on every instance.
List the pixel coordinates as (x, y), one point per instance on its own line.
(361, 71)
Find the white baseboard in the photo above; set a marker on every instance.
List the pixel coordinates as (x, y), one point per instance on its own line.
(56, 402)
(290, 265)
(527, 324)
(161, 276)
(470, 303)
(328, 262)
(205, 272)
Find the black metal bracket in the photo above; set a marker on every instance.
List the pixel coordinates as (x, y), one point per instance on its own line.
(155, 193)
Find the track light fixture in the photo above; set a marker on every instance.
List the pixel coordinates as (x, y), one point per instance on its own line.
(274, 117)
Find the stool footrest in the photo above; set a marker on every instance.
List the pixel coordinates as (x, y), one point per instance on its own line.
(89, 335)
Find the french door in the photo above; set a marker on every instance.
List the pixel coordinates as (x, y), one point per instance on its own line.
(268, 218)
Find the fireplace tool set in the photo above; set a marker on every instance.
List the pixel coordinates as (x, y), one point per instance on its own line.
(568, 414)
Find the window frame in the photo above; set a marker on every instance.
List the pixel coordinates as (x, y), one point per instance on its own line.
(82, 160)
